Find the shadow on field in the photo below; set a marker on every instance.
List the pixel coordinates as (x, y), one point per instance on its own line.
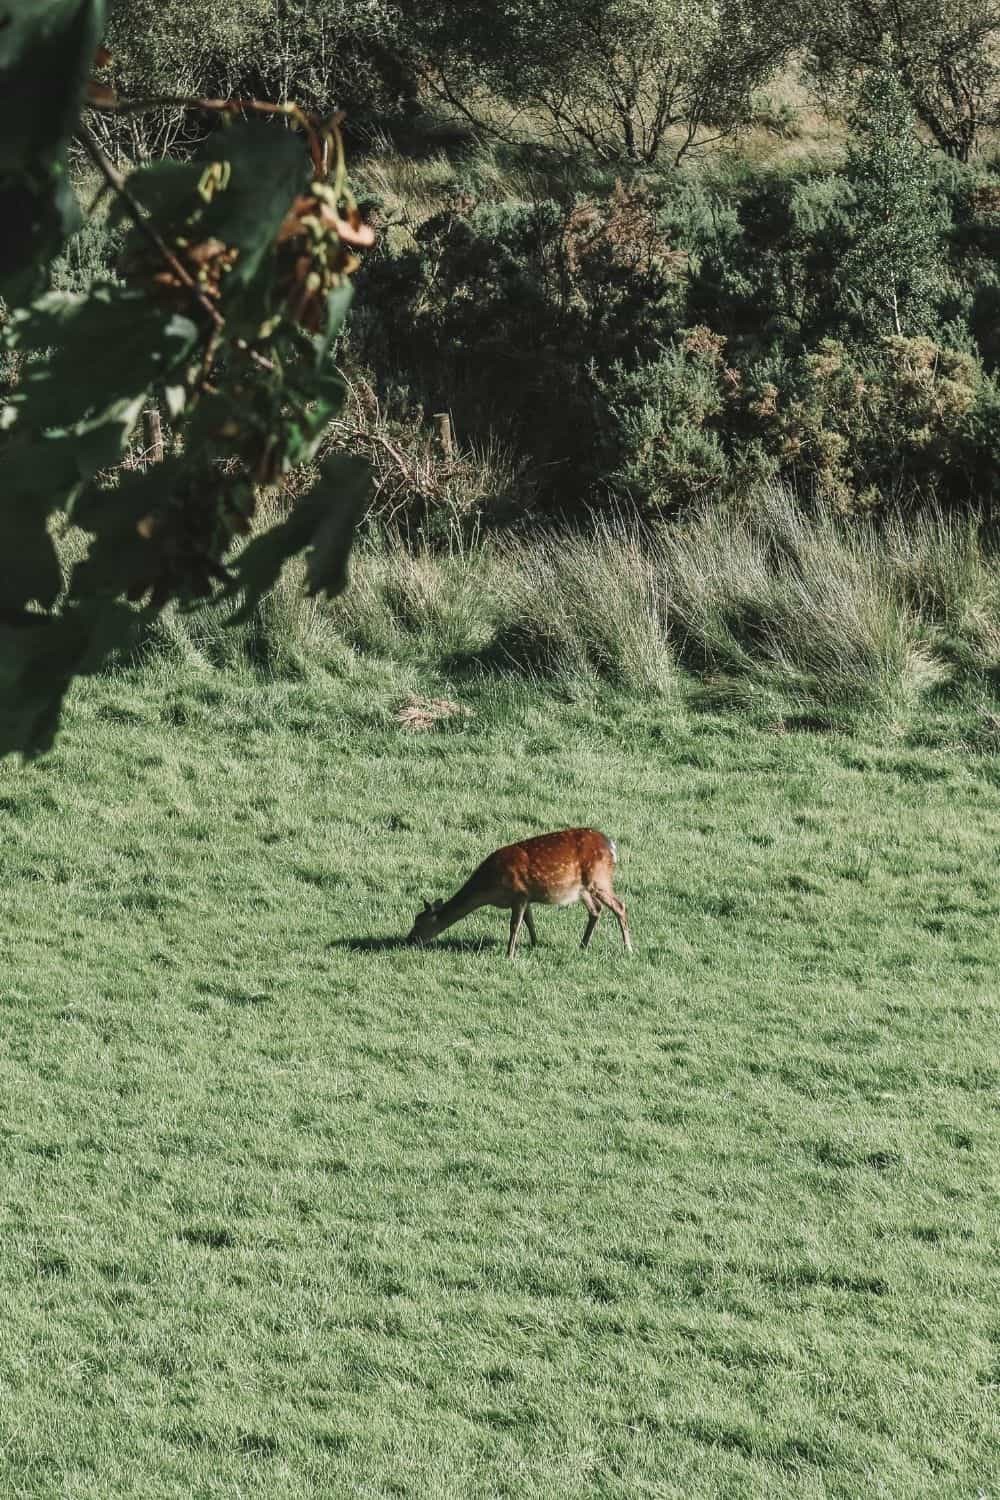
(387, 944)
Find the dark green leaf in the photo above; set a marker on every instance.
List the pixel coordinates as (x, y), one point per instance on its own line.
(167, 189)
(40, 656)
(324, 517)
(104, 348)
(36, 477)
(318, 396)
(120, 557)
(326, 562)
(268, 168)
(38, 211)
(337, 304)
(46, 53)
(103, 352)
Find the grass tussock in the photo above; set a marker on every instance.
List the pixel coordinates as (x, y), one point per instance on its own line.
(800, 602)
(584, 609)
(772, 601)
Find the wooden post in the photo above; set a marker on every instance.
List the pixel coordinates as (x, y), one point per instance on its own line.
(152, 436)
(443, 422)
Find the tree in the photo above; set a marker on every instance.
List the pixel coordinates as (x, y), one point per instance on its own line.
(619, 77)
(945, 56)
(331, 55)
(894, 268)
(231, 289)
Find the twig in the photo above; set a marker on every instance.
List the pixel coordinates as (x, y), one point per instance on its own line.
(223, 107)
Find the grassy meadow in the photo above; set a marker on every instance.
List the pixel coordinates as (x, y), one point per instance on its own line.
(291, 1209)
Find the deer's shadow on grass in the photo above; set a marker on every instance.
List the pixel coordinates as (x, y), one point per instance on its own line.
(390, 944)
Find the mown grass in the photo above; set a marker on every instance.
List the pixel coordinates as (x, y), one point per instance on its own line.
(290, 1209)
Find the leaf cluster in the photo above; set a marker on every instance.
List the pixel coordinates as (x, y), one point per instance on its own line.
(232, 286)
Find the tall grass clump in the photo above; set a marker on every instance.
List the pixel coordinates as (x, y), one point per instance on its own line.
(800, 602)
(415, 601)
(943, 572)
(584, 608)
(287, 634)
(737, 605)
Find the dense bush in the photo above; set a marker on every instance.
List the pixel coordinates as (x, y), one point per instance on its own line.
(652, 338)
(665, 344)
(861, 427)
(501, 312)
(668, 342)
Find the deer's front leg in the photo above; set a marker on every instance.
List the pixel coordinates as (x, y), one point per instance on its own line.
(516, 918)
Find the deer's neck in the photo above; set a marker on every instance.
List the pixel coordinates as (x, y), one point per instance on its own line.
(461, 904)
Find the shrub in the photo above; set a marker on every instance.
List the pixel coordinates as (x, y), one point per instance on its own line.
(666, 421)
(775, 276)
(906, 418)
(909, 418)
(500, 306)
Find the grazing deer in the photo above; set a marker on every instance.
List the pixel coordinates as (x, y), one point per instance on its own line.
(557, 869)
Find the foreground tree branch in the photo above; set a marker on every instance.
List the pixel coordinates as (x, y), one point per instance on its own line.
(231, 288)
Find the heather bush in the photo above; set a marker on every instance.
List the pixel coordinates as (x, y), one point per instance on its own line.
(859, 428)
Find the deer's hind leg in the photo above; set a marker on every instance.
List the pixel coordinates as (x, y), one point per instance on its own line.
(608, 898)
(529, 922)
(594, 916)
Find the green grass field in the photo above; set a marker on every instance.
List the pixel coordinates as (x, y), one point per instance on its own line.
(291, 1210)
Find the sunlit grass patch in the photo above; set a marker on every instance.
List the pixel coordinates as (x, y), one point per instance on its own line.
(322, 1212)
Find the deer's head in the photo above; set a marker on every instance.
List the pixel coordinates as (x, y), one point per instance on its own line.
(426, 923)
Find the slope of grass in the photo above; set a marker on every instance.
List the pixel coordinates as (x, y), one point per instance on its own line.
(290, 1210)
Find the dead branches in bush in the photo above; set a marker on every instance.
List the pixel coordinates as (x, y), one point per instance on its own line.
(415, 471)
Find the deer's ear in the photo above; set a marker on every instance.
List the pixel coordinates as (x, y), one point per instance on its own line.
(426, 905)
(436, 905)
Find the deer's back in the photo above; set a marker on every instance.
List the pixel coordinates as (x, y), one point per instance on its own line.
(552, 867)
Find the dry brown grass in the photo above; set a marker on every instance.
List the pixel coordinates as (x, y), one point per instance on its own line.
(417, 715)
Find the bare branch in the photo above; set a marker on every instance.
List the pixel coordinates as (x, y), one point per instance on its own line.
(224, 107)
